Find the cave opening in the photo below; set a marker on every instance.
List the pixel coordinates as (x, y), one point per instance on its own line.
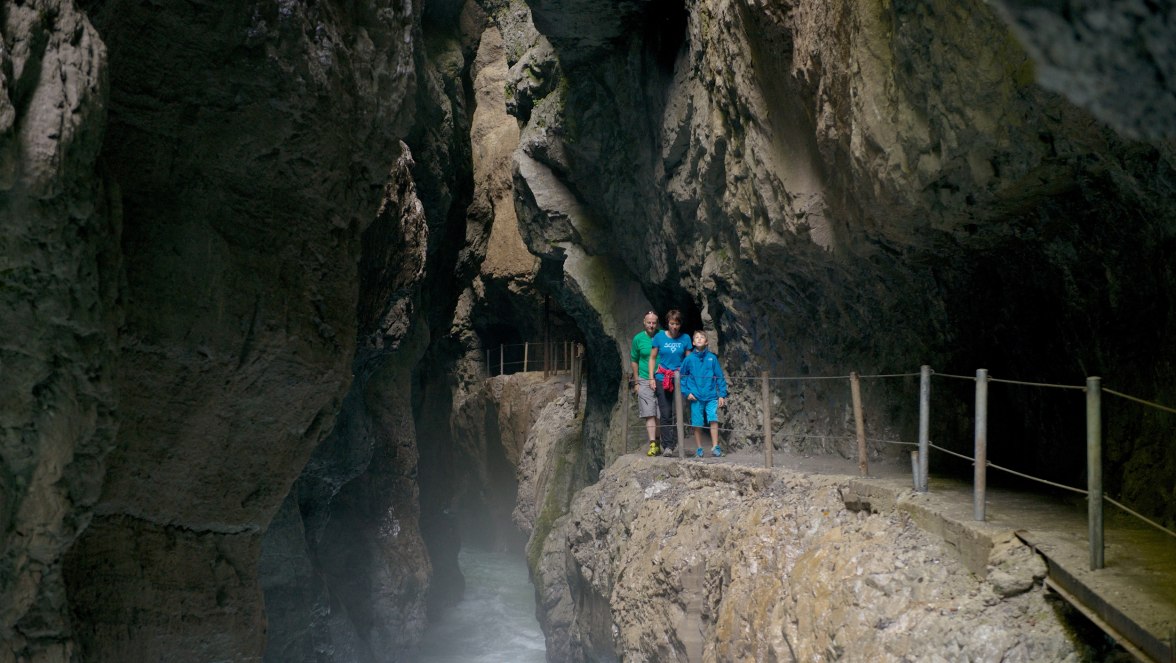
(664, 31)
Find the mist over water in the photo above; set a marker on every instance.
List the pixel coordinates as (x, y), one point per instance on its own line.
(495, 621)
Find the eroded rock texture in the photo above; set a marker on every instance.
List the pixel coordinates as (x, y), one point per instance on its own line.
(693, 562)
(837, 186)
(59, 276)
(1116, 59)
(343, 567)
(250, 144)
(198, 286)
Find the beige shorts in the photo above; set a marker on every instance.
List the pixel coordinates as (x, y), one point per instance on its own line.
(646, 400)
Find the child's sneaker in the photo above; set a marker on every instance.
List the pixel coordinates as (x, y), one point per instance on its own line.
(654, 449)
(716, 452)
(698, 452)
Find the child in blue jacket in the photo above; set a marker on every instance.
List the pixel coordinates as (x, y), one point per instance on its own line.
(706, 390)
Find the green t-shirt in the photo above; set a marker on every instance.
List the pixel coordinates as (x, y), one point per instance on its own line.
(639, 352)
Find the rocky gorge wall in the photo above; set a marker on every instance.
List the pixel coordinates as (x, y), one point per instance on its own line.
(844, 186)
(252, 256)
(60, 271)
(192, 194)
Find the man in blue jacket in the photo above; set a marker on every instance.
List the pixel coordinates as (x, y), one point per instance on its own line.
(706, 389)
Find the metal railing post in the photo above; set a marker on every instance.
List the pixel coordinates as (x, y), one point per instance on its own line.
(924, 427)
(859, 421)
(915, 467)
(980, 473)
(679, 424)
(1094, 485)
(501, 359)
(767, 401)
(526, 354)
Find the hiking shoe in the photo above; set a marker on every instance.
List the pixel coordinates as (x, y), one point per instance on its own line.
(716, 452)
(698, 452)
(668, 451)
(654, 449)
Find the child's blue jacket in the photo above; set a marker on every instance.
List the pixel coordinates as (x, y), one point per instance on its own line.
(703, 377)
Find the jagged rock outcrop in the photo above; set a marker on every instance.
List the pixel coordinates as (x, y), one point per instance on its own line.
(343, 564)
(1115, 59)
(837, 186)
(59, 288)
(242, 226)
(674, 561)
(503, 436)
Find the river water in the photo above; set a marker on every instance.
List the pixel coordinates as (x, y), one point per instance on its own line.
(495, 620)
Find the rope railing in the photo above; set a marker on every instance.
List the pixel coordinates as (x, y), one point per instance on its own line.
(981, 380)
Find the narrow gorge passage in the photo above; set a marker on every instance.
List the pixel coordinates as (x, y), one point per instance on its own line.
(495, 620)
(254, 257)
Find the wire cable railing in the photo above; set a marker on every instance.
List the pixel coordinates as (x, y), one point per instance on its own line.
(979, 461)
(548, 356)
(561, 355)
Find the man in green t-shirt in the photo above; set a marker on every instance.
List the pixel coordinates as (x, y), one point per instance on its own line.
(643, 381)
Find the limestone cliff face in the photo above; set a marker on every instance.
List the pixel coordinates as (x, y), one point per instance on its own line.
(837, 186)
(187, 188)
(59, 285)
(200, 291)
(691, 562)
(343, 565)
(1115, 59)
(251, 144)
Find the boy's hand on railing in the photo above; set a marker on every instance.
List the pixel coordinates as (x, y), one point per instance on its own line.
(722, 402)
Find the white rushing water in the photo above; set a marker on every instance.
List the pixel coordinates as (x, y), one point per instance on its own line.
(495, 621)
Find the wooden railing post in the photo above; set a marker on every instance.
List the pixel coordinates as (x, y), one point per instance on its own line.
(627, 387)
(859, 420)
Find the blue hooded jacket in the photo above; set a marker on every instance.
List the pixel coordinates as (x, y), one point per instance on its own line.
(703, 377)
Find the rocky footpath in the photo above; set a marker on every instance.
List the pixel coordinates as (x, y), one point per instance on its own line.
(681, 561)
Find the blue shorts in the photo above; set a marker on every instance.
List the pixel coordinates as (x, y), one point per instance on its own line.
(698, 408)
